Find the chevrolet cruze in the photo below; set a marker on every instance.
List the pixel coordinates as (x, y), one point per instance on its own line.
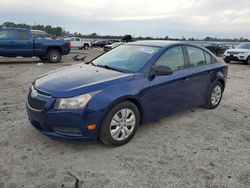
(109, 97)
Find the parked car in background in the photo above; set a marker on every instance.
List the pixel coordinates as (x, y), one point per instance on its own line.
(128, 86)
(240, 53)
(38, 34)
(21, 42)
(100, 43)
(217, 48)
(127, 38)
(77, 42)
(112, 46)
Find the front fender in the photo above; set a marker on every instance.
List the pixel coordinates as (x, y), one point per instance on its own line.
(103, 102)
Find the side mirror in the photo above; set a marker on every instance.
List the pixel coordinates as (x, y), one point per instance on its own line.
(161, 71)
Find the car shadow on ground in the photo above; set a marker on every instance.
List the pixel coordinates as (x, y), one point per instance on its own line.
(20, 61)
(143, 131)
(237, 63)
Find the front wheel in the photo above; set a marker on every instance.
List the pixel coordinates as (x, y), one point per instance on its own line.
(54, 56)
(214, 96)
(247, 62)
(226, 60)
(120, 125)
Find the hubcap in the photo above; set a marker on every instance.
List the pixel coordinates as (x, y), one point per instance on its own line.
(122, 124)
(216, 95)
(54, 56)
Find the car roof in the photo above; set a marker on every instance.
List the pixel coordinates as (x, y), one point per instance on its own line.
(16, 29)
(157, 43)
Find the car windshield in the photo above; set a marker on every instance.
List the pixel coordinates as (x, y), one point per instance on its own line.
(244, 46)
(126, 58)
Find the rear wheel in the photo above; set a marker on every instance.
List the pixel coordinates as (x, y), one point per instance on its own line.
(86, 46)
(54, 56)
(120, 124)
(43, 58)
(214, 96)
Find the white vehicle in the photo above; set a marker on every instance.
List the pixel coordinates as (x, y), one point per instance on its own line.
(77, 42)
(240, 53)
(112, 46)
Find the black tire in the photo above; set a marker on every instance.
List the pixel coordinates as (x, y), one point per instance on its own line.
(227, 61)
(86, 46)
(247, 62)
(105, 133)
(54, 56)
(210, 104)
(43, 58)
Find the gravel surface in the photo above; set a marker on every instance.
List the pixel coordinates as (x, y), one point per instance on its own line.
(195, 148)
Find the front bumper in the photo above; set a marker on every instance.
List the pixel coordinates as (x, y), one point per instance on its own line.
(235, 57)
(64, 124)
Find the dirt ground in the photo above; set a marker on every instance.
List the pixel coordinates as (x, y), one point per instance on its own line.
(195, 148)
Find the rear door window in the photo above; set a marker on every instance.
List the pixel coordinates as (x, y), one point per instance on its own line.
(208, 58)
(196, 56)
(22, 35)
(7, 35)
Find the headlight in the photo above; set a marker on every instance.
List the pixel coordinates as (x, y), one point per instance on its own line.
(73, 103)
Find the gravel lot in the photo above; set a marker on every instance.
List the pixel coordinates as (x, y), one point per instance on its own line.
(195, 148)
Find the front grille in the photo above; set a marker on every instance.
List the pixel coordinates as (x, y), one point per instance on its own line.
(233, 53)
(36, 103)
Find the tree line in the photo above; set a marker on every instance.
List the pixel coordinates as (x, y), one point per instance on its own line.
(59, 32)
(53, 31)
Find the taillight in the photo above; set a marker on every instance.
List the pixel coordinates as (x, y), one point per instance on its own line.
(69, 44)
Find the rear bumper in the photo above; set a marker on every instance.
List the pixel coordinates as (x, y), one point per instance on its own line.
(66, 51)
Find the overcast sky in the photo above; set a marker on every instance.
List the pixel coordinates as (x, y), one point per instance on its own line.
(157, 18)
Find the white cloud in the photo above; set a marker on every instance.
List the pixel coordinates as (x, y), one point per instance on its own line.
(204, 16)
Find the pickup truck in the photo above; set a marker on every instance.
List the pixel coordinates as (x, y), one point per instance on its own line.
(77, 42)
(20, 42)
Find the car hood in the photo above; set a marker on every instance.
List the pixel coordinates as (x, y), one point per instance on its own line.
(78, 79)
(238, 50)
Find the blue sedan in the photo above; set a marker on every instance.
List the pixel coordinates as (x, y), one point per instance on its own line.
(109, 97)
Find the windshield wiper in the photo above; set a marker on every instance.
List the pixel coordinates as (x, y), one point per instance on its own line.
(104, 66)
(110, 68)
